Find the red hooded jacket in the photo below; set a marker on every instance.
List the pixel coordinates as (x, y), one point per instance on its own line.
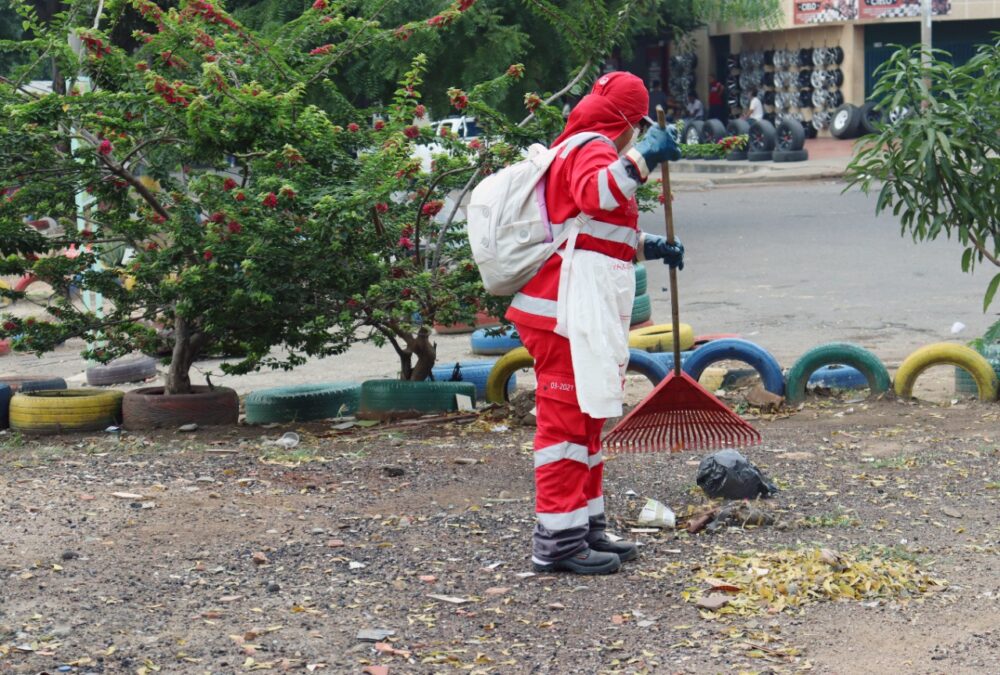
(594, 180)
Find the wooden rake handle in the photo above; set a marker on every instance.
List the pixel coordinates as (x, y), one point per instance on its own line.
(668, 217)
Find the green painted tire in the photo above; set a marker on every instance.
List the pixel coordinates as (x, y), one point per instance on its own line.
(397, 399)
(302, 402)
(836, 353)
(642, 310)
(641, 279)
(946, 353)
(964, 384)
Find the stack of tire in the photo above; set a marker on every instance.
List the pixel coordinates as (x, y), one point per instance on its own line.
(826, 80)
(850, 121)
(642, 308)
(782, 144)
(682, 71)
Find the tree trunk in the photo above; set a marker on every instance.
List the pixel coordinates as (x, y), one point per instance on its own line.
(426, 353)
(187, 344)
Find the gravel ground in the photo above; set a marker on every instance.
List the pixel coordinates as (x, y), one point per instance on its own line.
(406, 547)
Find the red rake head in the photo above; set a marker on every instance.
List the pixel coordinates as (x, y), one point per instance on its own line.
(680, 415)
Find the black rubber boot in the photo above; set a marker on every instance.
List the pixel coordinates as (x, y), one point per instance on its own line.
(625, 550)
(587, 561)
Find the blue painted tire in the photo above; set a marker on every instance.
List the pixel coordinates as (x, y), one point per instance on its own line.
(646, 364)
(495, 345)
(838, 377)
(5, 394)
(42, 385)
(733, 349)
(476, 372)
(667, 358)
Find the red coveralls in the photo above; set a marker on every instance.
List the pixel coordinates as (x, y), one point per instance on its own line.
(569, 501)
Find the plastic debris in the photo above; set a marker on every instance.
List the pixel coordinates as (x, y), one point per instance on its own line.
(730, 475)
(288, 440)
(656, 514)
(957, 327)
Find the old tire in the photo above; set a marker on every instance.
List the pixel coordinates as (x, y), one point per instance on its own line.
(838, 377)
(26, 384)
(791, 135)
(302, 402)
(702, 340)
(763, 136)
(476, 372)
(137, 369)
(738, 128)
(65, 411)
(845, 122)
(946, 353)
(733, 349)
(485, 344)
(760, 156)
(5, 395)
(871, 118)
(660, 338)
(737, 156)
(642, 309)
(641, 279)
(836, 353)
(964, 384)
(496, 386)
(692, 132)
(150, 408)
(790, 155)
(400, 399)
(712, 131)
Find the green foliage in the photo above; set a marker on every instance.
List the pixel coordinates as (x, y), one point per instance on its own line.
(937, 160)
(716, 150)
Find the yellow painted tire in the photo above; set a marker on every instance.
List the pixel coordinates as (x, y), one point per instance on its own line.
(65, 411)
(496, 384)
(947, 353)
(660, 338)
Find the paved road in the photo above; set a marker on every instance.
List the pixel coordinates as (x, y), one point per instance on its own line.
(791, 266)
(787, 265)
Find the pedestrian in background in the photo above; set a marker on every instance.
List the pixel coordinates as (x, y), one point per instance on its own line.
(695, 108)
(657, 97)
(716, 100)
(755, 110)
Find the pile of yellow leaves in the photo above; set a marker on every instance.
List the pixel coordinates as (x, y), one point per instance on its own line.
(755, 582)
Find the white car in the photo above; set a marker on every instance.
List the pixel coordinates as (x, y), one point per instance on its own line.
(464, 128)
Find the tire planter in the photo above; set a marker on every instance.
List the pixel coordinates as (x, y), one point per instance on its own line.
(790, 155)
(732, 349)
(302, 402)
(845, 122)
(841, 354)
(150, 408)
(837, 377)
(738, 128)
(476, 372)
(763, 136)
(5, 396)
(495, 345)
(948, 353)
(964, 384)
(760, 155)
(496, 385)
(660, 338)
(641, 279)
(400, 399)
(692, 132)
(26, 384)
(121, 371)
(65, 411)
(712, 131)
(642, 309)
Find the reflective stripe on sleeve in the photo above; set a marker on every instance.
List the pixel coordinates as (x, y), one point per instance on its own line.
(564, 521)
(560, 451)
(533, 305)
(625, 182)
(595, 459)
(607, 199)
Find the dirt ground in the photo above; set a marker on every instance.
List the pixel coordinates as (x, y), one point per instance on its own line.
(218, 552)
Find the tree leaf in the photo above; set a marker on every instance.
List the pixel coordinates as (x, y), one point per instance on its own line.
(991, 290)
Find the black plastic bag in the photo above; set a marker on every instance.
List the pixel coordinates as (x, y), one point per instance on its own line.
(730, 475)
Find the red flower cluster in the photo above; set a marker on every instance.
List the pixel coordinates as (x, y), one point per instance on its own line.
(445, 132)
(142, 66)
(9, 325)
(228, 184)
(240, 196)
(271, 200)
(207, 255)
(150, 11)
(319, 4)
(465, 4)
(411, 132)
(152, 246)
(406, 242)
(353, 128)
(532, 101)
(288, 193)
(420, 110)
(458, 98)
(516, 71)
(403, 33)
(210, 14)
(158, 219)
(382, 207)
(431, 209)
(204, 39)
(407, 230)
(168, 92)
(320, 51)
(438, 20)
(217, 217)
(379, 125)
(95, 46)
(475, 144)
(105, 147)
(234, 227)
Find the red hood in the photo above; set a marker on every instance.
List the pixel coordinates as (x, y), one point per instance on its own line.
(614, 98)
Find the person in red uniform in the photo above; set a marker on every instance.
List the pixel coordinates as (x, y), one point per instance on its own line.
(573, 316)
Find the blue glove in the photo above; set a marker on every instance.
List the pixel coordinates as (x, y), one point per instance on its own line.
(655, 247)
(657, 146)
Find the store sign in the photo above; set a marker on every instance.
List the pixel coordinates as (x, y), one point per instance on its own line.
(894, 9)
(825, 11)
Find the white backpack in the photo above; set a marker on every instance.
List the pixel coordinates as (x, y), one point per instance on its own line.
(508, 225)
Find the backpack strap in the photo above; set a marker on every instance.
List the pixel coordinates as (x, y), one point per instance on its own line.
(580, 139)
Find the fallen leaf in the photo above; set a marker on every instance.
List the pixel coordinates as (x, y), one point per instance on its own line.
(452, 599)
